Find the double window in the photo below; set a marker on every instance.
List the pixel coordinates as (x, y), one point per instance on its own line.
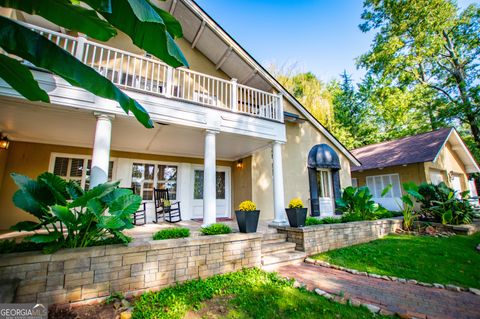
(147, 176)
(377, 184)
(77, 169)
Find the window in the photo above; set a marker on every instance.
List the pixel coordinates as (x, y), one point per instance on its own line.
(146, 175)
(324, 182)
(77, 169)
(377, 184)
(198, 185)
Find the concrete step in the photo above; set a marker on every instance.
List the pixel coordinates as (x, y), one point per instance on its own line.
(268, 249)
(282, 258)
(273, 238)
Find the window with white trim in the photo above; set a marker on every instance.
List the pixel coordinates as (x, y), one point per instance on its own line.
(76, 168)
(378, 183)
(324, 181)
(146, 176)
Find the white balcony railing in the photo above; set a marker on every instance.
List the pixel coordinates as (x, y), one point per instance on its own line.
(146, 74)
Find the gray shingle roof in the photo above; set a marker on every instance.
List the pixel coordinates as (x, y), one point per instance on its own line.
(408, 150)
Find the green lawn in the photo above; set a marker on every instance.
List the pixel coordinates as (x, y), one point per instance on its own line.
(250, 293)
(451, 260)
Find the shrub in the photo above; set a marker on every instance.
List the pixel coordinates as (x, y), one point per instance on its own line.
(351, 217)
(216, 229)
(441, 203)
(247, 206)
(310, 221)
(357, 203)
(331, 220)
(295, 203)
(384, 213)
(169, 233)
(72, 217)
(11, 246)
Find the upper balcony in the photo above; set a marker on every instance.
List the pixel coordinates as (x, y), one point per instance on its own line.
(148, 75)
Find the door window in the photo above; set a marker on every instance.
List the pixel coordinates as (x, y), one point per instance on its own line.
(324, 181)
(198, 185)
(146, 175)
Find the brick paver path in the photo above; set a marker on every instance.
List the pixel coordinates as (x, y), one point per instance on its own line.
(401, 298)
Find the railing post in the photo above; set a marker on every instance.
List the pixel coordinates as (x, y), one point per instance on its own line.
(81, 40)
(169, 83)
(280, 107)
(234, 101)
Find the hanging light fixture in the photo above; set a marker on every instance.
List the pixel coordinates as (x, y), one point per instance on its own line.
(4, 142)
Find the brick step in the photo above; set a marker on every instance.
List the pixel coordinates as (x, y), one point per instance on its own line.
(268, 249)
(270, 238)
(282, 258)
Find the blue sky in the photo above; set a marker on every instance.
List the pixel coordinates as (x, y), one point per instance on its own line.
(321, 36)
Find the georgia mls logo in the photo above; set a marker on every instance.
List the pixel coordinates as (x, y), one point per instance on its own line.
(39, 310)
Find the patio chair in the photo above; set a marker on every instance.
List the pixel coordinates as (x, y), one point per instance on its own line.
(165, 208)
(140, 216)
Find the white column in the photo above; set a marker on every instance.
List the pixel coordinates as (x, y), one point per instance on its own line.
(101, 149)
(278, 192)
(209, 180)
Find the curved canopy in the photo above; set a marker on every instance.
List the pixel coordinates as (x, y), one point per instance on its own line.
(323, 156)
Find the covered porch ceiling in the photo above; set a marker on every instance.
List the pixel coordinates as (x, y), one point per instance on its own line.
(51, 124)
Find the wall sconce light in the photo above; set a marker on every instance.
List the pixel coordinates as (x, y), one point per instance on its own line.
(4, 142)
(239, 164)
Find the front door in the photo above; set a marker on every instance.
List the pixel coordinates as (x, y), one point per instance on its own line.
(457, 185)
(223, 192)
(325, 192)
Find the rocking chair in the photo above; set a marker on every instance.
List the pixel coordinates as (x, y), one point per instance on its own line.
(165, 208)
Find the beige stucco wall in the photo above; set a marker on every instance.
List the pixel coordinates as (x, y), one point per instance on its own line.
(241, 183)
(32, 159)
(448, 162)
(3, 163)
(410, 173)
(300, 139)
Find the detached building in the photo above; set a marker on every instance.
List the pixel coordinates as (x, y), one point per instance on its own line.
(434, 157)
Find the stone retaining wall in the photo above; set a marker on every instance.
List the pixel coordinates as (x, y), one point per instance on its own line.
(457, 229)
(81, 274)
(320, 238)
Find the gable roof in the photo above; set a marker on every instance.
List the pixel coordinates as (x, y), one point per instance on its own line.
(217, 45)
(419, 148)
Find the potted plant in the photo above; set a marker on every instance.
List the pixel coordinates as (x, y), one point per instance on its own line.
(296, 213)
(247, 217)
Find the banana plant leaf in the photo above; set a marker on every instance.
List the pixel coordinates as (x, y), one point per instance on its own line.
(67, 15)
(22, 42)
(21, 79)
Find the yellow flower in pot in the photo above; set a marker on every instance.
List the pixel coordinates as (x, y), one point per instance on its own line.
(296, 213)
(247, 217)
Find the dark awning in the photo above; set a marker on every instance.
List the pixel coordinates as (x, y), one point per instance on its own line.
(323, 156)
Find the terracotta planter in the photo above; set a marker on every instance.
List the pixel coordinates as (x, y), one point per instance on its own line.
(247, 221)
(296, 216)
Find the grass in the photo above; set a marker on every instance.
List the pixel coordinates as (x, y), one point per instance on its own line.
(452, 260)
(249, 293)
(216, 229)
(169, 233)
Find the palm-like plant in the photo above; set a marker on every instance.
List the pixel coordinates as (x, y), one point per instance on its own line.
(149, 27)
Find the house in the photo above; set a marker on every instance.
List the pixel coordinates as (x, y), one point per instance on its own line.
(432, 157)
(225, 129)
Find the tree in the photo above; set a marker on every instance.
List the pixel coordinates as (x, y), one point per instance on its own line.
(308, 90)
(428, 47)
(149, 27)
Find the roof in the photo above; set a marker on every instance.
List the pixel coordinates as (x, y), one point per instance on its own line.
(224, 61)
(419, 148)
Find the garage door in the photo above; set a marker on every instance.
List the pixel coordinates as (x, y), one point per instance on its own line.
(391, 200)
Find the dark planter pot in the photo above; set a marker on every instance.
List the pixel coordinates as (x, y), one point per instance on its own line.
(247, 221)
(296, 216)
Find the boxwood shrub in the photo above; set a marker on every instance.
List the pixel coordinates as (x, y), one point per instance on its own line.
(216, 229)
(170, 233)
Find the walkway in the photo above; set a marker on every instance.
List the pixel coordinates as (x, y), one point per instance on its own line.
(406, 299)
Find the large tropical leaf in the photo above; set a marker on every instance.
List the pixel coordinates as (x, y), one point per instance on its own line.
(56, 185)
(116, 194)
(45, 238)
(125, 205)
(28, 45)
(65, 14)
(153, 37)
(96, 192)
(64, 215)
(26, 226)
(111, 222)
(21, 79)
(73, 189)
